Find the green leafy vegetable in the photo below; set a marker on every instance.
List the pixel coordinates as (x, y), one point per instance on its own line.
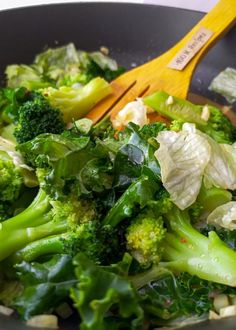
(225, 84)
(46, 285)
(69, 164)
(138, 194)
(224, 216)
(192, 156)
(131, 222)
(30, 77)
(183, 158)
(75, 102)
(100, 290)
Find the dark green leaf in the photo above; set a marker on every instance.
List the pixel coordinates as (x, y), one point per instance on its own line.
(138, 195)
(46, 285)
(100, 291)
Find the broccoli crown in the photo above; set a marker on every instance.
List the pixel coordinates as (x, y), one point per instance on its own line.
(100, 243)
(76, 211)
(69, 226)
(44, 218)
(35, 116)
(11, 181)
(5, 211)
(176, 125)
(220, 127)
(151, 130)
(144, 237)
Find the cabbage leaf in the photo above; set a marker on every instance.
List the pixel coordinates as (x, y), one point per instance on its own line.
(224, 216)
(190, 157)
(183, 157)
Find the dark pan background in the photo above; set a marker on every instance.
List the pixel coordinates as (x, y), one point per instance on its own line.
(134, 33)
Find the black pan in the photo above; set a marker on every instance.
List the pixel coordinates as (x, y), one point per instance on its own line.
(134, 33)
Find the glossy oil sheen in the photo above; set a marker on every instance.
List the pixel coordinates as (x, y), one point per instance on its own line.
(134, 33)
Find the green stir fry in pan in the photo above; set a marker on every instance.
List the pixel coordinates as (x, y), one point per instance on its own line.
(131, 222)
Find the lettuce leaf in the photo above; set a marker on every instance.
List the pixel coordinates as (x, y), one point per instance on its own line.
(224, 216)
(189, 157)
(225, 84)
(183, 157)
(221, 169)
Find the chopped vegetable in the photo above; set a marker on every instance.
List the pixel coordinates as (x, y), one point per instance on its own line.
(217, 125)
(134, 112)
(225, 84)
(43, 321)
(75, 102)
(183, 158)
(190, 156)
(126, 224)
(224, 216)
(6, 310)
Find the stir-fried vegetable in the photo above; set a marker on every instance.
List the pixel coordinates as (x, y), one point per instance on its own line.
(129, 223)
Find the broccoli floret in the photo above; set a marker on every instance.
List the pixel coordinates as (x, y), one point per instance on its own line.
(185, 249)
(178, 245)
(15, 176)
(29, 114)
(144, 237)
(176, 125)
(99, 243)
(213, 122)
(36, 116)
(11, 180)
(220, 127)
(151, 130)
(45, 218)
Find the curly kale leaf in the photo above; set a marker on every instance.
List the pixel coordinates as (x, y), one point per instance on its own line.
(46, 285)
(99, 291)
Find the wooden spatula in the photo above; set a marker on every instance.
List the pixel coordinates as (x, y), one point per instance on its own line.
(173, 70)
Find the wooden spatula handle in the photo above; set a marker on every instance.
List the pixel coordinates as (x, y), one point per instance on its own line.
(217, 22)
(172, 71)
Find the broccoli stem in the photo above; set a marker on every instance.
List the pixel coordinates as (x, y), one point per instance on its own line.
(32, 224)
(18, 238)
(187, 250)
(35, 211)
(211, 198)
(36, 249)
(150, 275)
